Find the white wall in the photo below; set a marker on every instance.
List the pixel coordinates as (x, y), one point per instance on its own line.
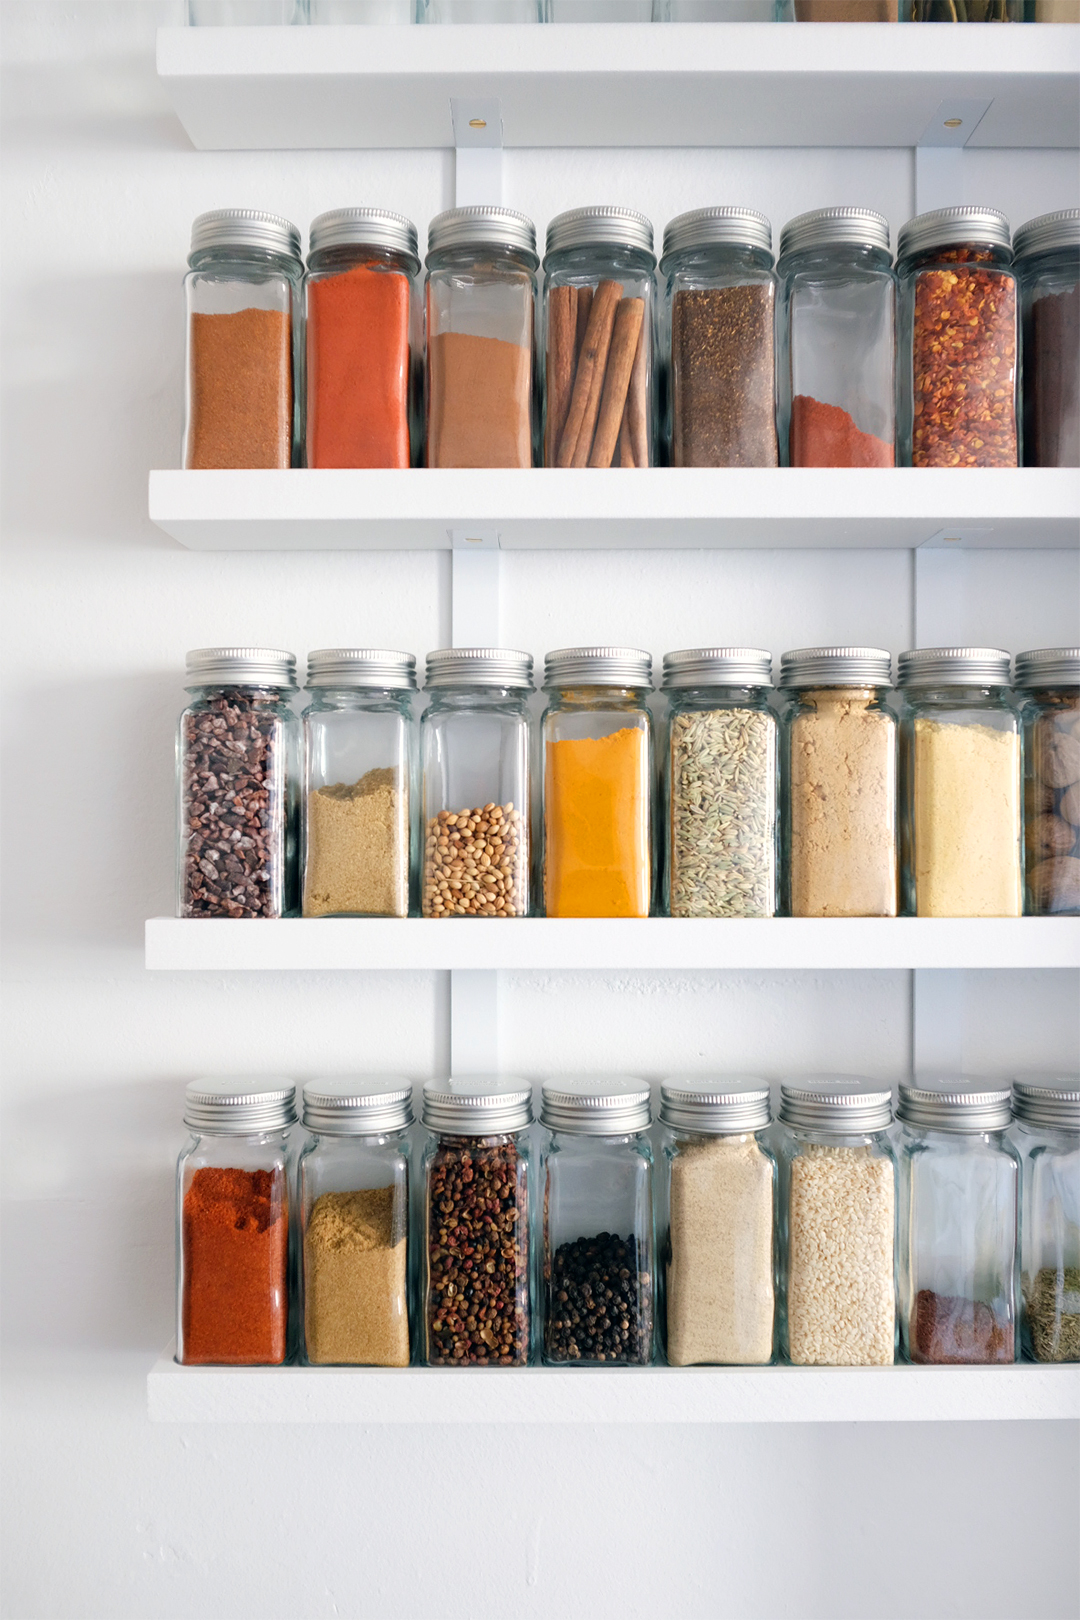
(108, 1517)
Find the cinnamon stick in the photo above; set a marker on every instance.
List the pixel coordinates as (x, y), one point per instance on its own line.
(620, 363)
(637, 404)
(584, 305)
(561, 343)
(577, 436)
(626, 454)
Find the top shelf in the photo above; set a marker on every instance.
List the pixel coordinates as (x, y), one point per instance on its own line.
(690, 84)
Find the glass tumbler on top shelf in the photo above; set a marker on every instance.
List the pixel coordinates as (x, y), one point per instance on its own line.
(1046, 1133)
(1047, 257)
(1048, 683)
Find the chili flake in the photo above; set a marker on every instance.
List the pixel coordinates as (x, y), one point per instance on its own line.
(964, 361)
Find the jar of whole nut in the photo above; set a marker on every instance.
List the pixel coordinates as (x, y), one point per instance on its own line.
(1048, 685)
(1047, 253)
(237, 757)
(477, 1170)
(1046, 1133)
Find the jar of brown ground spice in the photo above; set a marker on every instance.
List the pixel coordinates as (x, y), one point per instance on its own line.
(1047, 253)
(1048, 683)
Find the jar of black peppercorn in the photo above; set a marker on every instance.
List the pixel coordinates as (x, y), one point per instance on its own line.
(1047, 252)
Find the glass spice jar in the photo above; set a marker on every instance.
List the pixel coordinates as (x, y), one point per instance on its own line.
(232, 1223)
(598, 783)
(957, 345)
(960, 784)
(596, 1303)
(237, 767)
(477, 1170)
(599, 314)
(480, 321)
(244, 395)
(958, 1188)
(1046, 1134)
(1046, 252)
(361, 770)
(481, 11)
(1048, 683)
(719, 304)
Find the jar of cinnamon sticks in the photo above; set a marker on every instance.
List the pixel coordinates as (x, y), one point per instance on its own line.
(599, 312)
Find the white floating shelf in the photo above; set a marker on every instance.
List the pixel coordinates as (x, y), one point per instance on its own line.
(211, 944)
(713, 84)
(672, 508)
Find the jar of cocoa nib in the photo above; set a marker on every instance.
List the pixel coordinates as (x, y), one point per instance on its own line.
(599, 314)
(1047, 252)
(475, 1262)
(1048, 687)
(1046, 1133)
(237, 762)
(958, 371)
(243, 405)
(836, 331)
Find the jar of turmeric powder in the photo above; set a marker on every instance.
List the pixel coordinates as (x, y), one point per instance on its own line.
(598, 783)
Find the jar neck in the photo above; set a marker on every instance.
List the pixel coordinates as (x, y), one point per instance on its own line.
(252, 696)
(348, 255)
(492, 257)
(325, 698)
(365, 1139)
(957, 697)
(856, 258)
(585, 258)
(468, 1143)
(442, 698)
(275, 1139)
(995, 255)
(597, 697)
(245, 258)
(718, 697)
(717, 259)
(822, 1136)
(821, 695)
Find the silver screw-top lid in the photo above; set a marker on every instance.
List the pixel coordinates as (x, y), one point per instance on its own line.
(821, 227)
(479, 666)
(361, 666)
(482, 226)
(953, 666)
(706, 227)
(1060, 229)
(1048, 666)
(597, 666)
(1048, 1099)
(608, 227)
(611, 1105)
(245, 228)
(477, 1105)
(241, 666)
(717, 666)
(955, 1102)
(359, 1105)
(943, 227)
(364, 227)
(846, 1104)
(715, 1104)
(239, 1105)
(835, 666)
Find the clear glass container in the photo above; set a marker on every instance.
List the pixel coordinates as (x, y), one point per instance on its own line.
(605, 11)
(958, 398)
(481, 11)
(360, 819)
(353, 1203)
(960, 784)
(720, 784)
(1047, 257)
(598, 783)
(1046, 1134)
(958, 1183)
(599, 337)
(476, 1282)
(719, 298)
(244, 392)
(596, 1302)
(475, 744)
(237, 770)
(364, 340)
(241, 13)
(716, 1222)
(1048, 682)
(699, 11)
(836, 326)
(233, 1184)
(379, 13)
(836, 1223)
(480, 324)
(839, 837)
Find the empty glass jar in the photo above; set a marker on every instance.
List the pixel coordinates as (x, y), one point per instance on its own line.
(1046, 1133)
(1047, 257)
(1048, 682)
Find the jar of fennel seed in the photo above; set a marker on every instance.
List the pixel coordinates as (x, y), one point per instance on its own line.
(1046, 1134)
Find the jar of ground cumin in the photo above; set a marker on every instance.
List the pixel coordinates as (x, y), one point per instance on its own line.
(244, 357)
(1048, 683)
(1046, 1133)
(1047, 254)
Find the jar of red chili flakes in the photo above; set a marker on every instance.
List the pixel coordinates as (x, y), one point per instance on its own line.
(958, 340)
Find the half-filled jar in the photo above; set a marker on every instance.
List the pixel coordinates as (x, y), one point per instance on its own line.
(1046, 1133)
(1047, 256)
(1048, 685)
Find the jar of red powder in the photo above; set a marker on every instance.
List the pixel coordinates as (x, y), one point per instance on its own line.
(836, 330)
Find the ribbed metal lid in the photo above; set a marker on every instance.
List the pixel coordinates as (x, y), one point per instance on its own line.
(944, 226)
(241, 666)
(704, 227)
(846, 1104)
(597, 666)
(610, 1105)
(482, 226)
(616, 227)
(955, 1102)
(358, 1105)
(835, 666)
(364, 227)
(859, 227)
(245, 227)
(1060, 229)
(1048, 666)
(246, 1105)
(479, 666)
(717, 666)
(953, 666)
(715, 1104)
(1048, 1099)
(361, 666)
(477, 1105)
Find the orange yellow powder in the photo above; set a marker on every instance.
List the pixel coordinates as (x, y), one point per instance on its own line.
(597, 859)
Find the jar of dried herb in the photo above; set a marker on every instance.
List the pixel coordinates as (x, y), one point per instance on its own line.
(1047, 254)
(1048, 682)
(1046, 1133)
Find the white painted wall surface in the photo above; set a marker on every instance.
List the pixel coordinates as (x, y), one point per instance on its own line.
(108, 1518)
